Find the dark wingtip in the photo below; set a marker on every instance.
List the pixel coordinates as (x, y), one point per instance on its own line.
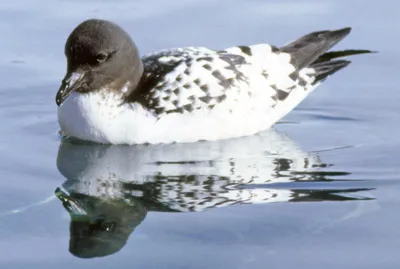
(345, 30)
(339, 34)
(306, 49)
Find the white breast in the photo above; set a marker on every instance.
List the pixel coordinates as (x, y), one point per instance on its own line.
(102, 118)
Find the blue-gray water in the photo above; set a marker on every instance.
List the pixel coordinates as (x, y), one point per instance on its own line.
(319, 191)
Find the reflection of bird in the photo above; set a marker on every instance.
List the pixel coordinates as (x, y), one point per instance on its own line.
(111, 95)
(100, 226)
(109, 189)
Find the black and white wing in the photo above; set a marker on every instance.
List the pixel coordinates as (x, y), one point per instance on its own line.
(196, 78)
(189, 79)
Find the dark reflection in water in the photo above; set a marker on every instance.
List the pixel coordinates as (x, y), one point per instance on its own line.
(110, 189)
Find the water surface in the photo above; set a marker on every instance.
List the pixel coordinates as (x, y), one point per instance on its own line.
(319, 190)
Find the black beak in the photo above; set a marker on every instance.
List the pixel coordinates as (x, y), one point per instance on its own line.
(70, 83)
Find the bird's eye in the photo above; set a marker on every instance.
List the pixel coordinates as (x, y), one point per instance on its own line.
(101, 57)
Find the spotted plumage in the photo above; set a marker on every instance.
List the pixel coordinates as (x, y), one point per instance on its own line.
(185, 94)
(199, 79)
(195, 78)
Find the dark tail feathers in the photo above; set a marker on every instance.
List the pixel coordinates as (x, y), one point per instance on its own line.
(324, 65)
(311, 51)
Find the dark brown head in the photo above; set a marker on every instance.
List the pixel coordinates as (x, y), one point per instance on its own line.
(99, 53)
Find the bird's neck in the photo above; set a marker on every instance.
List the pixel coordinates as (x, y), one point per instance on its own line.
(132, 80)
(141, 86)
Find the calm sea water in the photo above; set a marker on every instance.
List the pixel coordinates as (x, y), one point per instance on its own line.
(320, 190)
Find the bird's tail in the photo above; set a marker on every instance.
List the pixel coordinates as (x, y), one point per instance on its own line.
(327, 64)
(311, 50)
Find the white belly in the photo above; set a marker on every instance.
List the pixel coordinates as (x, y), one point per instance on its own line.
(101, 118)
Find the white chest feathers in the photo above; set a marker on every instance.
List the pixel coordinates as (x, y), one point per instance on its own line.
(102, 117)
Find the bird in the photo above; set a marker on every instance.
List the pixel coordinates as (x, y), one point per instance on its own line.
(112, 95)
